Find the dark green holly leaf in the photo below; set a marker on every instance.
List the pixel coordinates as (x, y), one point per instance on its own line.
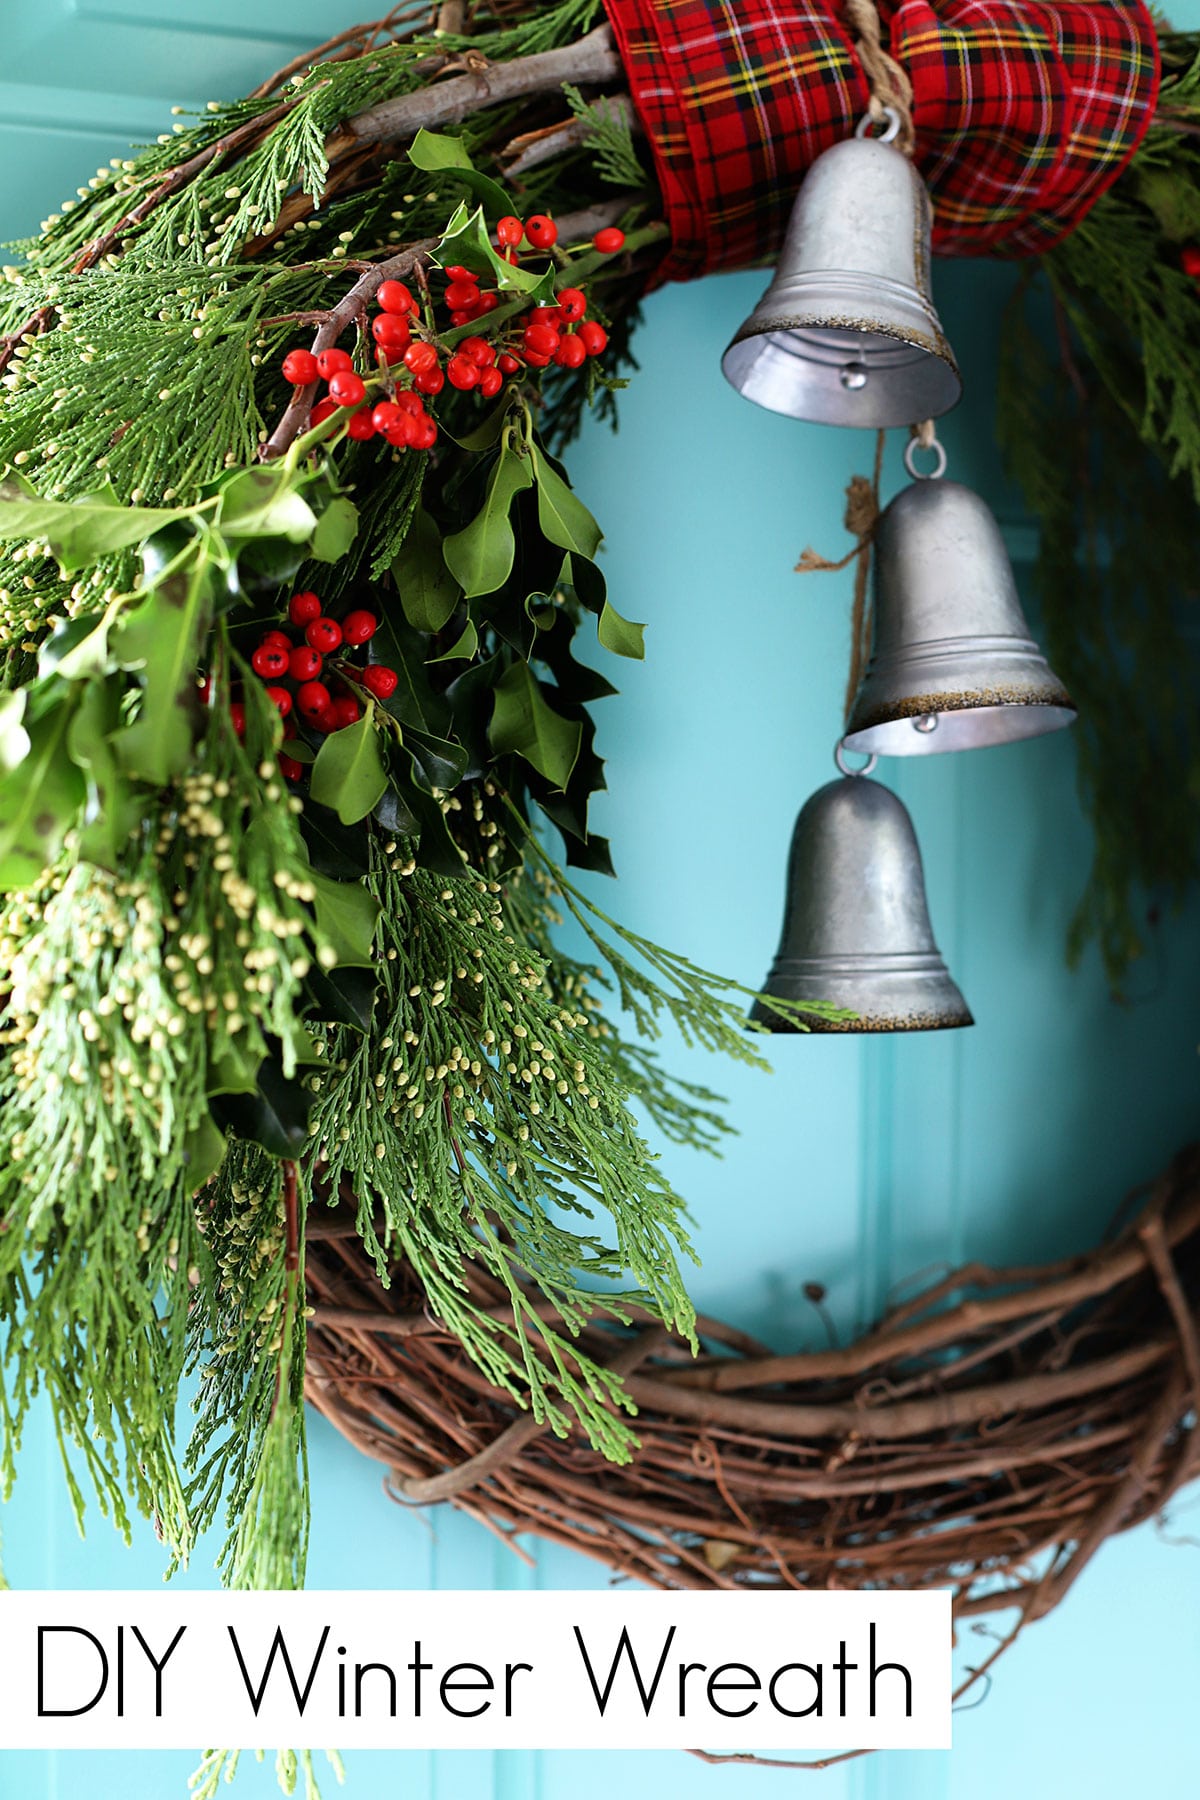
(437, 850)
(39, 800)
(235, 1069)
(582, 852)
(79, 531)
(415, 700)
(344, 996)
(523, 721)
(576, 681)
(347, 913)
(275, 1115)
(437, 154)
(349, 773)
(470, 698)
(163, 637)
(429, 592)
(333, 848)
(393, 812)
(586, 580)
(437, 763)
(619, 635)
(480, 556)
(337, 528)
(564, 518)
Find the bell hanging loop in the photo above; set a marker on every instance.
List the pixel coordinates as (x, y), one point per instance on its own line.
(953, 665)
(856, 927)
(846, 333)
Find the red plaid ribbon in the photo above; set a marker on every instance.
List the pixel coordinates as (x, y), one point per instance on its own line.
(1024, 113)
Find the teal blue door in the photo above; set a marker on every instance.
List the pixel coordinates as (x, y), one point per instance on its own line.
(1014, 1140)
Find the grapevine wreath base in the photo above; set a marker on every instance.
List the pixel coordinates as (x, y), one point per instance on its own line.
(990, 1446)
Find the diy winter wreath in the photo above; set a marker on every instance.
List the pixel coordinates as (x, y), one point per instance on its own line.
(291, 580)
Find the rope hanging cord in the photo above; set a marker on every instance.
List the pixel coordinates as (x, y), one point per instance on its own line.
(1019, 115)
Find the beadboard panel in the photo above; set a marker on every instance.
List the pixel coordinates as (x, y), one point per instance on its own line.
(858, 1163)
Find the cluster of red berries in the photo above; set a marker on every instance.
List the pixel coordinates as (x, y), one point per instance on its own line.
(280, 658)
(560, 333)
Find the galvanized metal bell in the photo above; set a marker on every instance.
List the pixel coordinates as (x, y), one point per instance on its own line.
(856, 925)
(847, 334)
(952, 665)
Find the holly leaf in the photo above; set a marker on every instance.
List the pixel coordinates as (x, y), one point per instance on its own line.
(203, 1151)
(437, 763)
(77, 648)
(349, 774)
(163, 637)
(622, 636)
(79, 531)
(258, 503)
(429, 591)
(333, 848)
(466, 241)
(347, 913)
(274, 1116)
(440, 155)
(414, 701)
(14, 739)
(480, 556)
(346, 995)
(524, 722)
(110, 815)
(463, 649)
(39, 801)
(470, 700)
(563, 517)
(337, 528)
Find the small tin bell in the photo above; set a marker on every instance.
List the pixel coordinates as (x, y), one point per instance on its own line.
(856, 925)
(847, 334)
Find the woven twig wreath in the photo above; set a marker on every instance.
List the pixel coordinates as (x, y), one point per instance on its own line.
(990, 1446)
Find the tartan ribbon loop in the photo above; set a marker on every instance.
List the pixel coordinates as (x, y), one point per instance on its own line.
(1024, 113)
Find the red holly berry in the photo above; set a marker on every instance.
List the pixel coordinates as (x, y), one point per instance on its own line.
(324, 409)
(304, 664)
(312, 699)
(361, 426)
(426, 435)
(546, 315)
(347, 388)
(420, 358)
(359, 626)
(269, 661)
(324, 635)
(289, 768)
(461, 372)
(331, 363)
(394, 297)
(509, 230)
(386, 415)
(237, 714)
(300, 367)
(609, 241)
(543, 340)
(572, 303)
(280, 639)
(431, 381)
(345, 710)
(465, 315)
(303, 608)
(570, 353)
(462, 293)
(281, 700)
(379, 680)
(487, 303)
(490, 383)
(409, 402)
(593, 337)
(541, 231)
(536, 361)
(479, 350)
(392, 334)
(507, 363)
(1189, 261)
